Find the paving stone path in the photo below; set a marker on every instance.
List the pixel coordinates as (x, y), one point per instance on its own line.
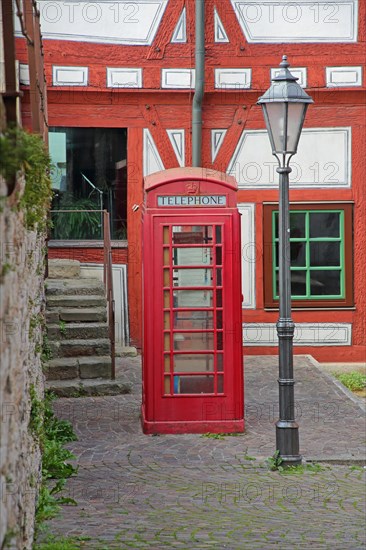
(190, 492)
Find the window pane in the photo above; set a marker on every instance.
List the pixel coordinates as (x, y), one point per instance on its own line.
(192, 298)
(199, 362)
(193, 384)
(298, 283)
(220, 362)
(218, 255)
(167, 341)
(219, 319)
(166, 236)
(192, 256)
(276, 118)
(324, 224)
(193, 319)
(220, 341)
(298, 254)
(192, 234)
(186, 341)
(90, 174)
(219, 276)
(325, 253)
(166, 320)
(218, 234)
(276, 253)
(297, 225)
(275, 215)
(192, 277)
(325, 283)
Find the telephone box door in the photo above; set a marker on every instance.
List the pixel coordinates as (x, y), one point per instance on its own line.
(196, 377)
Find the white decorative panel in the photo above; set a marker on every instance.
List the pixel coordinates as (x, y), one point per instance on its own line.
(124, 77)
(247, 217)
(152, 160)
(306, 334)
(177, 78)
(119, 274)
(236, 79)
(69, 76)
(343, 76)
(217, 138)
(297, 21)
(176, 138)
(24, 74)
(298, 72)
(323, 160)
(180, 31)
(117, 22)
(220, 33)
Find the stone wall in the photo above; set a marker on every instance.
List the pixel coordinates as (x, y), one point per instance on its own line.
(21, 308)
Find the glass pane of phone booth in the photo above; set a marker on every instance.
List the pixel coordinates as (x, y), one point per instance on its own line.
(193, 344)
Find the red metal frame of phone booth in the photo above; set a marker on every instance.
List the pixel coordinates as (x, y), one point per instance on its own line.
(191, 230)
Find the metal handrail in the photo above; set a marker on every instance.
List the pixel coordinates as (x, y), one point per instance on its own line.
(108, 282)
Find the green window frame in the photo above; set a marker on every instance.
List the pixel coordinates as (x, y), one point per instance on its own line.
(321, 258)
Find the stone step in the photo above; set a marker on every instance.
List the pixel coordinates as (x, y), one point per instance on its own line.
(126, 351)
(86, 388)
(86, 315)
(77, 301)
(62, 369)
(74, 287)
(80, 347)
(95, 367)
(63, 269)
(72, 368)
(76, 331)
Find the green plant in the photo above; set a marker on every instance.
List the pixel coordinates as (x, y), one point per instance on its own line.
(23, 151)
(213, 436)
(275, 462)
(46, 353)
(80, 391)
(248, 457)
(312, 467)
(62, 327)
(62, 543)
(35, 321)
(221, 435)
(76, 225)
(52, 434)
(354, 381)
(5, 269)
(7, 541)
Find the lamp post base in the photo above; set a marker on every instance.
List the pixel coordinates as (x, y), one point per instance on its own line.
(287, 442)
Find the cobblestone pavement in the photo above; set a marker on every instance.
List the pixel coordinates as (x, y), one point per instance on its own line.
(189, 491)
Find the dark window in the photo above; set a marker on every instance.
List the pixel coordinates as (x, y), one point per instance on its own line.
(321, 255)
(90, 173)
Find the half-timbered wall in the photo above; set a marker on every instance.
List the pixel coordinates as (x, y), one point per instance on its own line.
(131, 65)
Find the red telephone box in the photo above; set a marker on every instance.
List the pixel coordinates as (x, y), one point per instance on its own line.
(192, 347)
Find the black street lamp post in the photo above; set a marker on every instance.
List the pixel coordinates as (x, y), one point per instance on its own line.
(284, 107)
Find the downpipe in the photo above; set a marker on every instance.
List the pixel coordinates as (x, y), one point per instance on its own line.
(199, 84)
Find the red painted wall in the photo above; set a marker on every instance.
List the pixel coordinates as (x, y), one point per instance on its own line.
(158, 110)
